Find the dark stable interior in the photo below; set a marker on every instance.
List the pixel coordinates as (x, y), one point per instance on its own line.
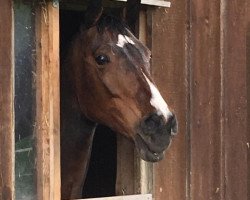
(101, 176)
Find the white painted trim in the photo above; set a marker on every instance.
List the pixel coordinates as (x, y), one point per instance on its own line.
(128, 197)
(159, 3)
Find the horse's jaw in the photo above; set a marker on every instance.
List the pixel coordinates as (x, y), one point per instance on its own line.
(145, 152)
(154, 136)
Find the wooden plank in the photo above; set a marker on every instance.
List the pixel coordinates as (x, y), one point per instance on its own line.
(129, 197)
(114, 3)
(82, 5)
(219, 167)
(167, 29)
(6, 101)
(248, 91)
(160, 3)
(126, 174)
(206, 105)
(235, 101)
(48, 115)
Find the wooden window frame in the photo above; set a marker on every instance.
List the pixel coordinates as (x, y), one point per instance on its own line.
(128, 197)
(137, 175)
(47, 101)
(160, 3)
(6, 101)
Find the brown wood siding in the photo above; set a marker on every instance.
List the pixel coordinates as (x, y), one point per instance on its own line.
(6, 102)
(235, 101)
(48, 115)
(218, 100)
(248, 95)
(205, 101)
(201, 64)
(168, 32)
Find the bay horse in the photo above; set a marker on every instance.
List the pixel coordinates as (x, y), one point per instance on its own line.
(108, 82)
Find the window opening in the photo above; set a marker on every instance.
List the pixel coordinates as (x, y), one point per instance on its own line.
(101, 176)
(25, 73)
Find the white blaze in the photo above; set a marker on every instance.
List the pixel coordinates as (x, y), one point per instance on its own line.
(157, 101)
(123, 39)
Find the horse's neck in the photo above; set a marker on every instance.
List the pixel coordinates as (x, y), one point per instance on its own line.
(72, 116)
(76, 141)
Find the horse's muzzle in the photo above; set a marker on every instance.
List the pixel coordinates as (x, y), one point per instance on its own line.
(154, 136)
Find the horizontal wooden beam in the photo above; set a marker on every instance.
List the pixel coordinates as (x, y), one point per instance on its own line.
(160, 3)
(129, 197)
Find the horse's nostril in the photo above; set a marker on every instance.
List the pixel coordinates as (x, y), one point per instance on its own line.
(153, 121)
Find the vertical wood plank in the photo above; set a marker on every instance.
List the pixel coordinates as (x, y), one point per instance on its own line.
(169, 69)
(248, 93)
(205, 101)
(235, 101)
(6, 101)
(48, 115)
(218, 100)
(125, 175)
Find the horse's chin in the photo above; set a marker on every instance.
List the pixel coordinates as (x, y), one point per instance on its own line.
(145, 152)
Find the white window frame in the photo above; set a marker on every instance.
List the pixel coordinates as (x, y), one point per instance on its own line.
(160, 3)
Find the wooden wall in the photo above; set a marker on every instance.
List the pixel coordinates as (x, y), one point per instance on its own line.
(48, 102)
(201, 63)
(170, 72)
(6, 101)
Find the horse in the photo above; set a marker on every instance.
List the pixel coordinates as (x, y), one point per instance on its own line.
(108, 82)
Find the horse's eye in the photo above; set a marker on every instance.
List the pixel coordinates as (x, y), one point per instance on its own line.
(102, 59)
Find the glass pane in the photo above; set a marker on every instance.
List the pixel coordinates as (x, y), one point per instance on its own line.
(25, 101)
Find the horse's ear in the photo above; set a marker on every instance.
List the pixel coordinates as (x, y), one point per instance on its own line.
(132, 13)
(93, 13)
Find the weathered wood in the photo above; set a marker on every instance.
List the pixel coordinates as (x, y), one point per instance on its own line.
(129, 197)
(48, 115)
(205, 108)
(218, 100)
(167, 41)
(160, 3)
(6, 101)
(235, 101)
(248, 92)
(126, 172)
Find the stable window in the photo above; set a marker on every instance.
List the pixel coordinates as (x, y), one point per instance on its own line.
(29, 80)
(30, 148)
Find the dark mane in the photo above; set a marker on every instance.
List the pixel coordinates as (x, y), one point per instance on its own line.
(111, 23)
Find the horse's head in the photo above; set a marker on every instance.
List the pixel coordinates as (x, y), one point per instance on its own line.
(114, 86)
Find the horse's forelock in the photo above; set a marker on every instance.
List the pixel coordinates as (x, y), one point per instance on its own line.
(112, 23)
